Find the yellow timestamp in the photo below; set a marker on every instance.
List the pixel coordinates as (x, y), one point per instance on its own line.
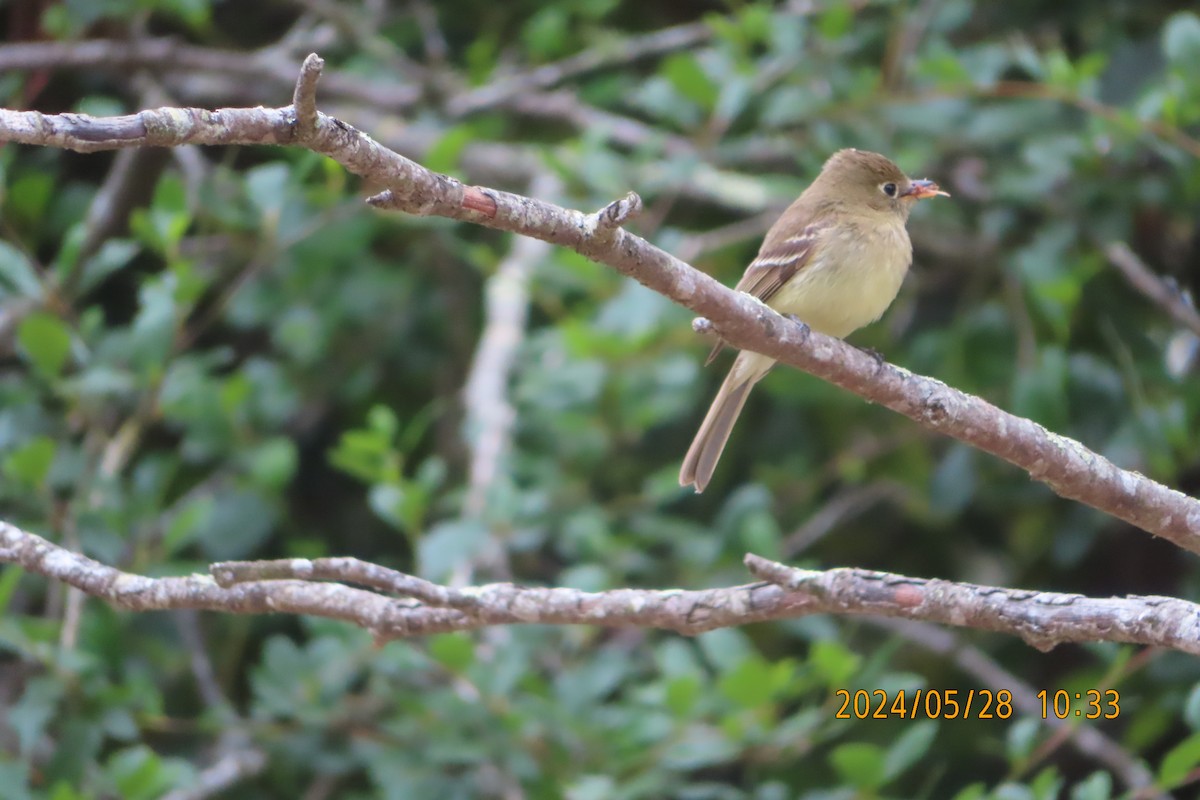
(925, 704)
(1092, 704)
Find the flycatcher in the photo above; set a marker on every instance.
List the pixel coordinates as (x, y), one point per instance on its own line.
(835, 260)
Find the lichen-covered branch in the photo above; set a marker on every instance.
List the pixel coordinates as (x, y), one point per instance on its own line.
(303, 586)
(1069, 468)
(1042, 619)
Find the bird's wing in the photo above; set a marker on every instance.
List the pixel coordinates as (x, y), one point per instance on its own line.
(776, 264)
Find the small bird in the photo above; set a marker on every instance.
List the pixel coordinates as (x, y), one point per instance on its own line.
(835, 260)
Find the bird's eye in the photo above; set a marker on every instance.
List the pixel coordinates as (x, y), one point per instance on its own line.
(889, 189)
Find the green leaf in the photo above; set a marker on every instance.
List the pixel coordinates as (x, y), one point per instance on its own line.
(1022, 736)
(833, 663)
(252, 515)
(699, 747)
(1179, 761)
(942, 65)
(546, 33)
(101, 106)
(64, 791)
(195, 13)
(46, 341)
(30, 463)
(388, 500)
(1041, 393)
(17, 273)
(447, 545)
(909, 748)
(836, 21)
(366, 455)
(683, 692)
(1097, 786)
(860, 764)
(112, 256)
(1181, 40)
(689, 79)
(443, 156)
(1059, 70)
(755, 22)
(749, 684)
(726, 648)
(976, 791)
(273, 463)
(138, 772)
(162, 225)
(9, 578)
(454, 651)
(1047, 785)
(383, 421)
(187, 523)
(1191, 708)
(153, 330)
(955, 481)
(267, 189)
(29, 196)
(37, 705)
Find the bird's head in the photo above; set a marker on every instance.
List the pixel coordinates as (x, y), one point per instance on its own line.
(869, 179)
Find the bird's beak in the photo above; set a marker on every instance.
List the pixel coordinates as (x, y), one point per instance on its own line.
(923, 188)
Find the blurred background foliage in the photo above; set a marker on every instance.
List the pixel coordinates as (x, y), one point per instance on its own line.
(222, 353)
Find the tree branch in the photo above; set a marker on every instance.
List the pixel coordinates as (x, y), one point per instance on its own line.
(1065, 465)
(1043, 619)
(1146, 281)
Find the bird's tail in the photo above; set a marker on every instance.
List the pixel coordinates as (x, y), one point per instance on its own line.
(701, 459)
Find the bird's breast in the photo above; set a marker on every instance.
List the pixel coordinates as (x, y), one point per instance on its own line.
(852, 281)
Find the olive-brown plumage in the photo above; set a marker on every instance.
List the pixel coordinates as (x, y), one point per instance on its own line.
(835, 259)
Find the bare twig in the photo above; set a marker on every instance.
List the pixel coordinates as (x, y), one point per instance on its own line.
(1063, 464)
(262, 68)
(187, 622)
(353, 570)
(1043, 619)
(436, 48)
(1142, 278)
(628, 50)
(238, 761)
(566, 106)
(742, 230)
(489, 414)
(847, 504)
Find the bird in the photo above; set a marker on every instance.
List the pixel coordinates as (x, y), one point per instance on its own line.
(834, 259)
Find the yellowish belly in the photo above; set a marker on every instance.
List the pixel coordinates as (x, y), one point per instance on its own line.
(837, 299)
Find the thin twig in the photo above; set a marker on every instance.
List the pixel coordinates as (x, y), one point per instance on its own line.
(1043, 619)
(848, 504)
(237, 762)
(1065, 465)
(616, 53)
(1144, 279)
(489, 414)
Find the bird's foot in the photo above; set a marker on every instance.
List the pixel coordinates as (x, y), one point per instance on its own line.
(798, 321)
(875, 354)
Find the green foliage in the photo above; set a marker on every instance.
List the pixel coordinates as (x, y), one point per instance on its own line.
(1179, 762)
(245, 362)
